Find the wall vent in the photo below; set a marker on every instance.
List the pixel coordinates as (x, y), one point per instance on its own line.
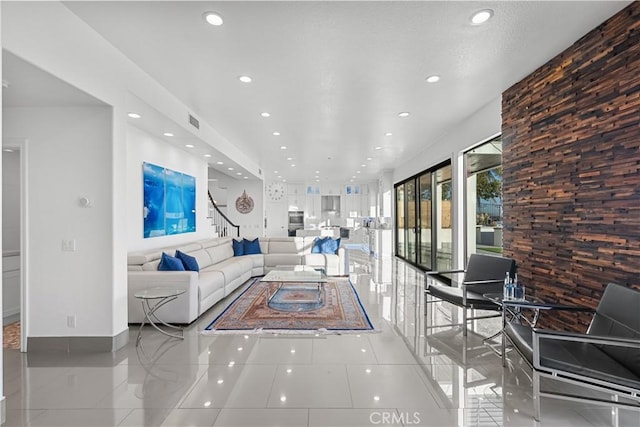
(194, 122)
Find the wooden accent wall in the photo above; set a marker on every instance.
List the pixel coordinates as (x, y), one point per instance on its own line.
(571, 141)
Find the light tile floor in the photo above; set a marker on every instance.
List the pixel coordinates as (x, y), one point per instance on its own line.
(403, 375)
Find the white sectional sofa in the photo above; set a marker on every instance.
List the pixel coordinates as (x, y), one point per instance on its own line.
(220, 272)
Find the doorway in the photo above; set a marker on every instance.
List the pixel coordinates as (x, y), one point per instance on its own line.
(13, 243)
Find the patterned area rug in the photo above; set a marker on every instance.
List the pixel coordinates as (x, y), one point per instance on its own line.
(11, 336)
(339, 310)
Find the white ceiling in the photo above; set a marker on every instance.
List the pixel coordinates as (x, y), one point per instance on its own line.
(335, 75)
(29, 86)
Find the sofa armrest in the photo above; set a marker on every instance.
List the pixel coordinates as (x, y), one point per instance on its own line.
(343, 263)
(183, 310)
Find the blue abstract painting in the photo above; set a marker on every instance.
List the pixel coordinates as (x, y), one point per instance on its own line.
(169, 201)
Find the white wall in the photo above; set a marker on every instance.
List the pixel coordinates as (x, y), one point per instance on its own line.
(11, 201)
(68, 157)
(143, 147)
(51, 37)
(480, 126)
(251, 224)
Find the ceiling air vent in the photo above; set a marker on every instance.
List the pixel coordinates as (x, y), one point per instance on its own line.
(194, 122)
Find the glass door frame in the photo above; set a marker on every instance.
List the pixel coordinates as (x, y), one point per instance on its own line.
(417, 227)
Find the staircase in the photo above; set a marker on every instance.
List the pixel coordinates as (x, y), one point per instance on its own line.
(221, 224)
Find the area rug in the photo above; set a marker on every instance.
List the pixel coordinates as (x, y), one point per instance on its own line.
(11, 336)
(339, 312)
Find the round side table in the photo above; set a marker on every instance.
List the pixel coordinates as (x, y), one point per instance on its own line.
(161, 296)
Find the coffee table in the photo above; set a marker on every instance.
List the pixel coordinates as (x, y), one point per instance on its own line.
(296, 278)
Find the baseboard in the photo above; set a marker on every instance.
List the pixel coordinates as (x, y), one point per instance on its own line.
(79, 344)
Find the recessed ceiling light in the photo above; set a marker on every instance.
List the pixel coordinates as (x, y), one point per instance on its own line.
(283, 147)
(238, 173)
(293, 165)
(317, 180)
(432, 79)
(220, 163)
(246, 177)
(378, 148)
(289, 158)
(167, 134)
(189, 145)
(230, 169)
(317, 171)
(265, 114)
(284, 180)
(279, 176)
(403, 114)
(481, 16)
(357, 171)
(245, 79)
(369, 158)
(276, 133)
(276, 172)
(213, 18)
(207, 155)
(134, 115)
(388, 134)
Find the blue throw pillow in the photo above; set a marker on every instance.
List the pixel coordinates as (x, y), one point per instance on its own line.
(330, 246)
(251, 247)
(169, 263)
(317, 244)
(190, 263)
(238, 247)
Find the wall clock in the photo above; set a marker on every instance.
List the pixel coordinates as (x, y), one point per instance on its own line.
(275, 191)
(244, 203)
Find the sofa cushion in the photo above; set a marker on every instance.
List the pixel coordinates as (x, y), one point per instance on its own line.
(330, 246)
(286, 245)
(209, 282)
(257, 260)
(317, 245)
(169, 263)
(251, 247)
(272, 260)
(238, 247)
(190, 263)
(220, 253)
(229, 267)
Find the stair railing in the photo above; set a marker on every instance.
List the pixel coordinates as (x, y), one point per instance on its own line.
(219, 220)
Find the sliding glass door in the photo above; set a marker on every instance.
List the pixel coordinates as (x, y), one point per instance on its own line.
(424, 259)
(423, 219)
(401, 249)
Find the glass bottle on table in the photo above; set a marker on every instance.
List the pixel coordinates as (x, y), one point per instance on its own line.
(518, 289)
(508, 287)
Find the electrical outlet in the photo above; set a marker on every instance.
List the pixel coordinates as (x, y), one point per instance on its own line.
(71, 321)
(69, 245)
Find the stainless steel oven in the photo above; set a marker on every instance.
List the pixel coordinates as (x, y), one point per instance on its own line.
(295, 222)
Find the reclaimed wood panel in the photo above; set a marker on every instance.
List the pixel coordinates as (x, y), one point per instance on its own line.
(571, 162)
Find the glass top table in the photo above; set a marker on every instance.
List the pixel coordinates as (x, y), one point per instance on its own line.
(295, 288)
(297, 273)
(161, 296)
